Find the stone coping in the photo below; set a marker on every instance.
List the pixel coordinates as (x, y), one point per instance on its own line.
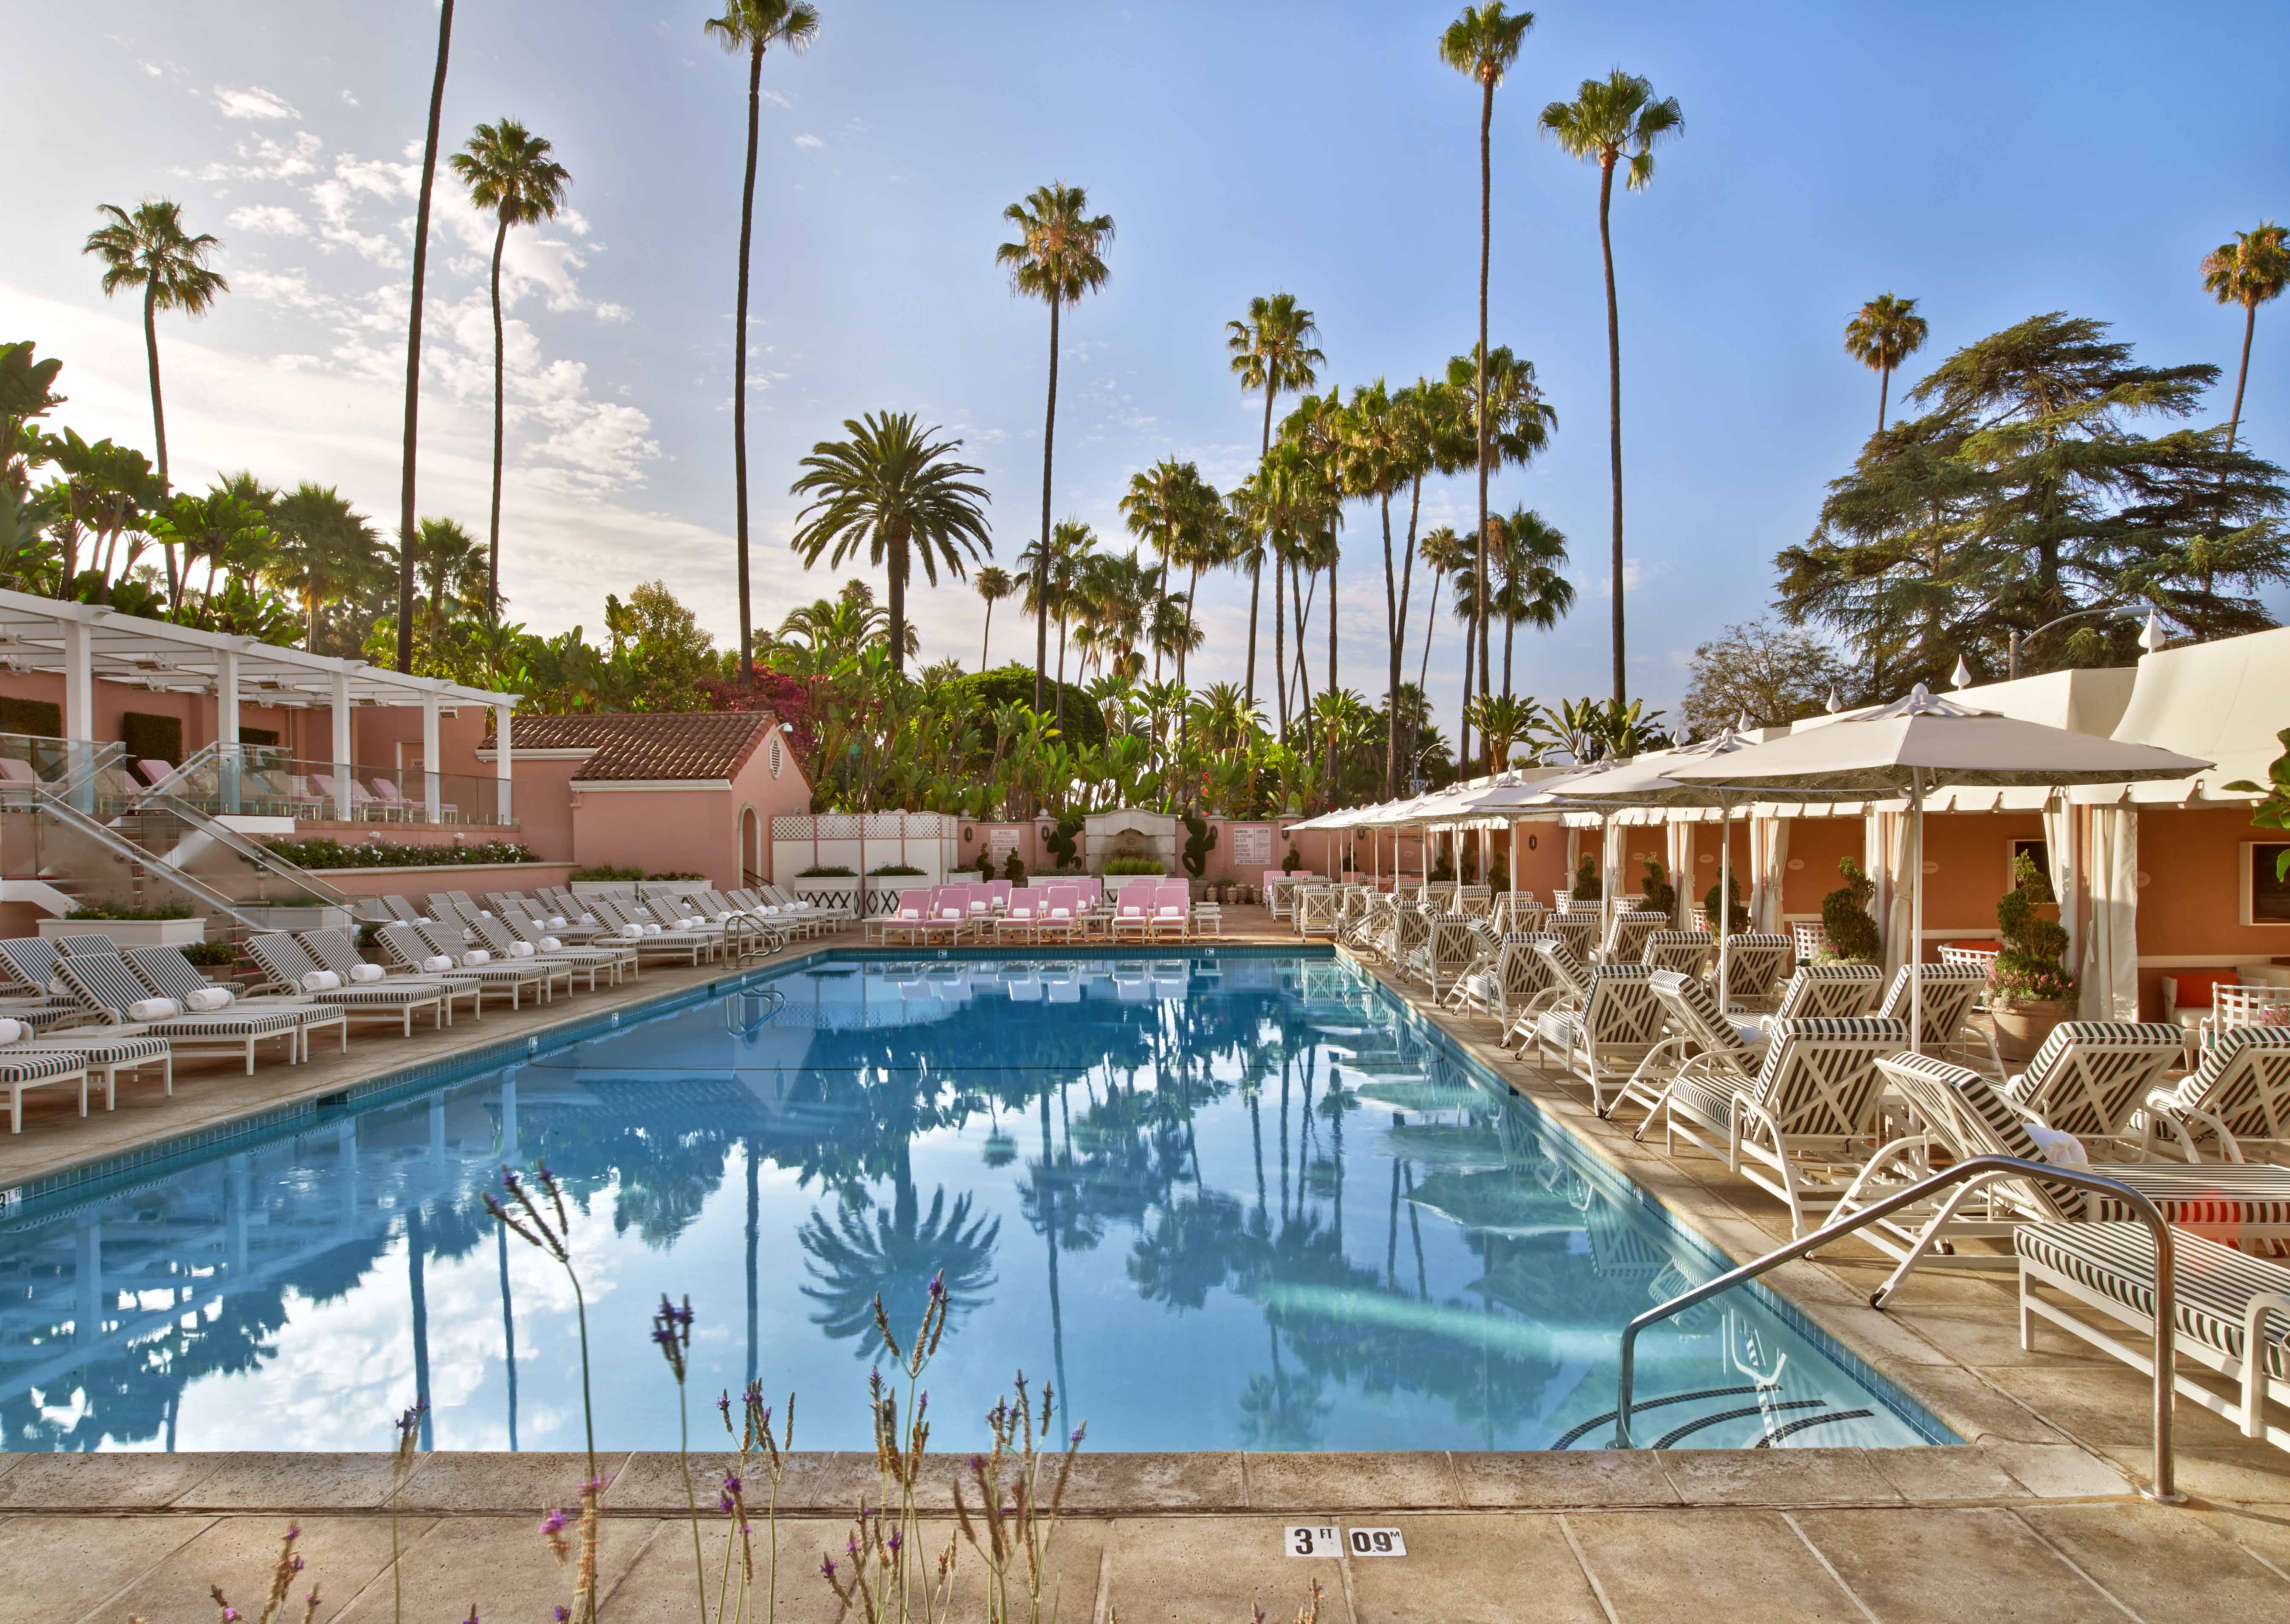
(1209, 1482)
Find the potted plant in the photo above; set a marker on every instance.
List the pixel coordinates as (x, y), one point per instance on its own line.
(2030, 991)
(172, 926)
(1853, 938)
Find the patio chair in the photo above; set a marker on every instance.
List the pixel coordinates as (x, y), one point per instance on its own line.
(30, 1068)
(1964, 1114)
(106, 1051)
(1173, 909)
(1447, 953)
(949, 912)
(1319, 911)
(1061, 912)
(1603, 1038)
(1951, 992)
(786, 902)
(1578, 928)
(1479, 899)
(2091, 1077)
(505, 944)
(1371, 933)
(1687, 952)
(418, 948)
(334, 950)
(1626, 936)
(2239, 1095)
(170, 975)
(1699, 1040)
(1504, 988)
(1804, 1123)
(30, 997)
(1751, 968)
(1811, 938)
(1516, 910)
(1133, 911)
(1019, 918)
(106, 987)
(905, 919)
(2231, 1312)
(650, 937)
(1823, 992)
(1565, 982)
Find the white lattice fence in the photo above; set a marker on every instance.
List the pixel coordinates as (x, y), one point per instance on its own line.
(860, 843)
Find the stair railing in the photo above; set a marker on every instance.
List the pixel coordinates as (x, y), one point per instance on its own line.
(1970, 1173)
(252, 852)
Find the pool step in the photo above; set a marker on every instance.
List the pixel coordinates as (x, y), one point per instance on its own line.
(1770, 1404)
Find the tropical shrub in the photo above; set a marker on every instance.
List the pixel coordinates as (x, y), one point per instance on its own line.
(2029, 967)
(1853, 938)
(1061, 840)
(1588, 885)
(96, 911)
(1292, 862)
(1660, 895)
(607, 872)
(884, 871)
(1014, 870)
(838, 871)
(1737, 916)
(211, 955)
(984, 865)
(2273, 812)
(1135, 865)
(323, 853)
(1200, 840)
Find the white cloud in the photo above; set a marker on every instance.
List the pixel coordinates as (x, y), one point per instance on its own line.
(269, 220)
(809, 143)
(252, 103)
(298, 364)
(1630, 573)
(348, 100)
(264, 159)
(153, 69)
(614, 316)
(777, 100)
(290, 288)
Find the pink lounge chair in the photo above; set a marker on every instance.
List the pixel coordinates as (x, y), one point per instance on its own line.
(1061, 912)
(1133, 911)
(949, 912)
(1172, 904)
(997, 894)
(1019, 918)
(15, 770)
(906, 920)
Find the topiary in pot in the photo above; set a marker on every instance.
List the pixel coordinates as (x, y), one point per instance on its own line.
(1200, 840)
(1737, 916)
(1014, 870)
(2030, 990)
(1853, 938)
(1588, 886)
(1660, 895)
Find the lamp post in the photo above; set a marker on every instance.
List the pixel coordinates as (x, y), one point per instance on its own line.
(2019, 637)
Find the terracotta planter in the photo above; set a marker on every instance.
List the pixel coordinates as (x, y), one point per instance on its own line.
(2021, 1026)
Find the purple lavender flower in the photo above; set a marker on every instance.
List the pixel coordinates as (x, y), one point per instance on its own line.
(938, 1285)
(724, 1403)
(893, 1542)
(827, 1568)
(731, 1484)
(1076, 1440)
(563, 1614)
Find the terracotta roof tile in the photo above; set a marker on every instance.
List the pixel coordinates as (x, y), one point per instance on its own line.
(651, 747)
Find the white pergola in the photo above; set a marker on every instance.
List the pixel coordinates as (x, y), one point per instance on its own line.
(83, 642)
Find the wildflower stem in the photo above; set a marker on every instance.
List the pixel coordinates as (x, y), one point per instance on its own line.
(587, 1411)
(691, 1505)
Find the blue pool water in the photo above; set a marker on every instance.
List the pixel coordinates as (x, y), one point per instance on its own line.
(1238, 1199)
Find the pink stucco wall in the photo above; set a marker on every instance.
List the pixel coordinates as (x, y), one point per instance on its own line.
(694, 830)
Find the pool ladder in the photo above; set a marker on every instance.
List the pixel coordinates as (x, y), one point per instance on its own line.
(745, 939)
(742, 1015)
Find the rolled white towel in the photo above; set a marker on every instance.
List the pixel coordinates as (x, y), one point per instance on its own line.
(58, 987)
(321, 981)
(154, 1009)
(2060, 1149)
(585, 919)
(549, 944)
(632, 932)
(477, 955)
(693, 923)
(520, 949)
(12, 1031)
(649, 929)
(726, 917)
(555, 921)
(366, 972)
(424, 919)
(436, 962)
(207, 1000)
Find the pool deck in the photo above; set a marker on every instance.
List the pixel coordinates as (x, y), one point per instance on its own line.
(2035, 1519)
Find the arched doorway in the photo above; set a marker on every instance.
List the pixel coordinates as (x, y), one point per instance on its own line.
(751, 847)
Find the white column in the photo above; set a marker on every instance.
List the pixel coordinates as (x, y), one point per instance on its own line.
(79, 704)
(342, 806)
(430, 799)
(501, 760)
(226, 725)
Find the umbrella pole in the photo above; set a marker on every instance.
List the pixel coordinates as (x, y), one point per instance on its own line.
(1725, 893)
(1916, 917)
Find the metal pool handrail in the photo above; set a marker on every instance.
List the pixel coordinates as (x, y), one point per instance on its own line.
(1970, 1172)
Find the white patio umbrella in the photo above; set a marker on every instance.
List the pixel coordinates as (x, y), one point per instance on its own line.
(1912, 748)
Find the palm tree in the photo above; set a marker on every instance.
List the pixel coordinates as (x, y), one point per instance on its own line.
(1885, 332)
(447, 563)
(994, 584)
(2248, 271)
(149, 250)
(405, 481)
(1058, 256)
(1169, 507)
(1483, 43)
(1530, 552)
(508, 169)
(1608, 117)
(751, 26)
(894, 490)
(1275, 349)
(326, 550)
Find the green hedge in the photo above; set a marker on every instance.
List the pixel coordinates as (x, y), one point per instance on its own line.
(1013, 685)
(152, 738)
(323, 853)
(173, 910)
(35, 717)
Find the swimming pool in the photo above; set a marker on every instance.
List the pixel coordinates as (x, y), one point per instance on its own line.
(1240, 1198)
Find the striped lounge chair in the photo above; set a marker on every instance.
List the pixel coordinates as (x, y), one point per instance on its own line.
(1751, 967)
(170, 975)
(106, 987)
(507, 946)
(27, 1069)
(1602, 1039)
(286, 961)
(2239, 1096)
(409, 947)
(1626, 936)
(1577, 927)
(1949, 992)
(107, 1051)
(1687, 952)
(2090, 1077)
(1700, 1041)
(2231, 1312)
(1808, 1118)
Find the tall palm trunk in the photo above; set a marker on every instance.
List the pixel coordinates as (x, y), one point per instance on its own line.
(986, 639)
(1192, 597)
(740, 369)
(413, 345)
(1463, 716)
(1042, 619)
(1280, 638)
(1884, 391)
(2242, 377)
(493, 544)
(159, 424)
(1614, 409)
(1395, 628)
(1256, 568)
(894, 559)
(1487, 238)
(1328, 777)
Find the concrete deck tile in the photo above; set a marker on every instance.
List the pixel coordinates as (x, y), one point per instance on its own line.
(1776, 1477)
(1338, 1480)
(103, 1482)
(1922, 1566)
(1565, 1477)
(2058, 1471)
(2252, 1474)
(660, 1584)
(1954, 1472)
(1987, 1334)
(340, 1557)
(831, 1483)
(2163, 1564)
(52, 1569)
(1977, 1410)
(498, 1485)
(289, 1481)
(1710, 1565)
(1474, 1570)
(2262, 1530)
(1210, 1481)
(2111, 1406)
(497, 1565)
(1188, 1570)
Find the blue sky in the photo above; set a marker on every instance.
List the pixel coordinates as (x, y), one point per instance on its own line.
(1992, 162)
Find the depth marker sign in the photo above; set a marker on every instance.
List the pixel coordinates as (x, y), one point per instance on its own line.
(1324, 1539)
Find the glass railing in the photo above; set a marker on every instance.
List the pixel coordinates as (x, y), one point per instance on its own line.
(262, 780)
(85, 773)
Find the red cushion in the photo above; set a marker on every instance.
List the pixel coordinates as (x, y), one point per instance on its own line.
(2197, 987)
